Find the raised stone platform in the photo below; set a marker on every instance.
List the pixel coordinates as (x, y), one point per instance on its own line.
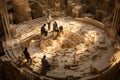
(83, 52)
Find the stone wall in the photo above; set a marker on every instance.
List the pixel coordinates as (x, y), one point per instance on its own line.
(92, 22)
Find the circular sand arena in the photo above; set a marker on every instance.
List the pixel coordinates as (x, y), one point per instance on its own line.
(82, 52)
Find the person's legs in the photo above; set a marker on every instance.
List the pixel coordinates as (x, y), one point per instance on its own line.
(54, 35)
(57, 34)
(49, 67)
(43, 71)
(27, 60)
(42, 33)
(48, 27)
(30, 61)
(46, 33)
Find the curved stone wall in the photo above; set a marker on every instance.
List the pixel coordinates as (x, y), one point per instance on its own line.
(103, 64)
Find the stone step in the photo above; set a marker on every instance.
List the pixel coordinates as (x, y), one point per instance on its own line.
(36, 21)
(28, 74)
(16, 53)
(8, 51)
(11, 54)
(5, 58)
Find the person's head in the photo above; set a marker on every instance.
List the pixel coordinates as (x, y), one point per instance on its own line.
(55, 22)
(44, 56)
(61, 27)
(25, 48)
(44, 24)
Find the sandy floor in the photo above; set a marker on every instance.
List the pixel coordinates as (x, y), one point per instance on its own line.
(82, 50)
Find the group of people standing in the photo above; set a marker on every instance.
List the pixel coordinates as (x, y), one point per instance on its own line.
(55, 27)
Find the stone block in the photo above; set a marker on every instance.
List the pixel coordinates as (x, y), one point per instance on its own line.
(71, 5)
(76, 11)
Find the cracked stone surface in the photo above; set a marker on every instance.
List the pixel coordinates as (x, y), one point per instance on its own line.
(82, 50)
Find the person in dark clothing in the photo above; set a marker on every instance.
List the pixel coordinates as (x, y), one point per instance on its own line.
(56, 30)
(27, 55)
(45, 65)
(43, 31)
(55, 27)
(48, 25)
(61, 29)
